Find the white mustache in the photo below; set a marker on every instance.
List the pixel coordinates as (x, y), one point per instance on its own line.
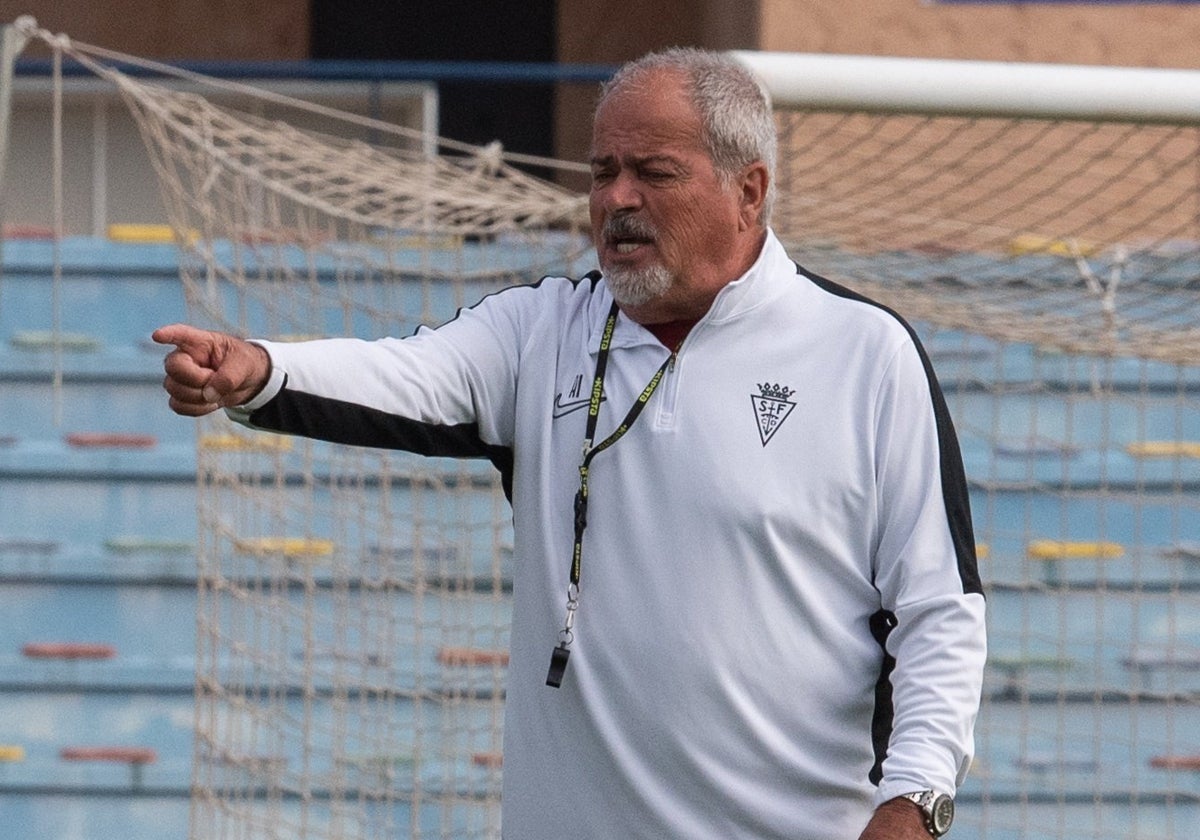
(625, 226)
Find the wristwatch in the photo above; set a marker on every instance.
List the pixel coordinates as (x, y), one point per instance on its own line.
(937, 807)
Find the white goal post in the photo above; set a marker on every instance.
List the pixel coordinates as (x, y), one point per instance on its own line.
(885, 84)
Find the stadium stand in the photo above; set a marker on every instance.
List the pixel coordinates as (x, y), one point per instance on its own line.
(97, 535)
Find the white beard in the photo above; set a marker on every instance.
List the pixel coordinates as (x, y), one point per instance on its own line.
(634, 287)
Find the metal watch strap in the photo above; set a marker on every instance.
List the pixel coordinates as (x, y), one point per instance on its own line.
(938, 809)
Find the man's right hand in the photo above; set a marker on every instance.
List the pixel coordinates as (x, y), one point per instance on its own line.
(210, 370)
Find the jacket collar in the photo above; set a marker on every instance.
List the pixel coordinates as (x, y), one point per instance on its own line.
(747, 292)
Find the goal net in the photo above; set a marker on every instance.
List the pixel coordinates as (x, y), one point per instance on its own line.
(1048, 250)
(354, 604)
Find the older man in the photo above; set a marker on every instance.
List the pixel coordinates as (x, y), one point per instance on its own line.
(749, 608)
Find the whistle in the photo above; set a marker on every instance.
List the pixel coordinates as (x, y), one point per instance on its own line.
(558, 666)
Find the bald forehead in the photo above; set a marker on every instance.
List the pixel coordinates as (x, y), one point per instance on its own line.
(653, 106)
(664, 82)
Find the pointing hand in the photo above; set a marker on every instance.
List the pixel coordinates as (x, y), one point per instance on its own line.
(210, 370)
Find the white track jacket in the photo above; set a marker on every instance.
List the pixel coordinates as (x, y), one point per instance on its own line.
(792, 492)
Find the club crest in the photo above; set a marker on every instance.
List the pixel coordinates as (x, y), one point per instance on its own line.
(771, 408)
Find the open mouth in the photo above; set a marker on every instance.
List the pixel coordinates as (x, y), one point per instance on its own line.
(626, 234)
(628, 246)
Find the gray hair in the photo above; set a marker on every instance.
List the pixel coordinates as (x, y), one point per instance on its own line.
(734, 110)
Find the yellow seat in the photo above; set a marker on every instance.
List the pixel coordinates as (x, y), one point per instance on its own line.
(287, 546)
(1164, 449)
(1073, 550)
(1032, 243)
(246, 443)
(141, 233)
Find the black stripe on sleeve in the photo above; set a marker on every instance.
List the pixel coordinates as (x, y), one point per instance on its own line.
(338, 421)
(882, 623)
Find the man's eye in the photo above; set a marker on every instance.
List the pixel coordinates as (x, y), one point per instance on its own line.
(661, 177)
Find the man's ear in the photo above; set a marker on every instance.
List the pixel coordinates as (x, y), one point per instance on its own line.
(754, 182)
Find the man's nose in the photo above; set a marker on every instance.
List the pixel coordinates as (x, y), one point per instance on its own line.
(623, 192)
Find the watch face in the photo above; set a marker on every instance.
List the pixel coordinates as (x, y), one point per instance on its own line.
(941, 815)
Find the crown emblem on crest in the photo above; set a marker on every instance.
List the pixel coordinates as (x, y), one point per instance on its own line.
(775, 392)
(771, 408)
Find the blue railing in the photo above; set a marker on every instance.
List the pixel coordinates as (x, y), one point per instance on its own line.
(359, 70)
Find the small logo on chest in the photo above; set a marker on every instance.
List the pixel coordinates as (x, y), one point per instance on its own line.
(574, 401)
(771, 408)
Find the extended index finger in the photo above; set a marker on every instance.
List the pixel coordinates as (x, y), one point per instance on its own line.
(183, 336)
(190, 363)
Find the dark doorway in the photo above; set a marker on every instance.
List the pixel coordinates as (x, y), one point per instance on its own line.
(519, 115)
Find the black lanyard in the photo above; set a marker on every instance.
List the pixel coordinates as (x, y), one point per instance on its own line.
(558, 660)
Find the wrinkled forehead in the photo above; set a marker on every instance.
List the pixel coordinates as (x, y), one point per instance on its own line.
(647, 83)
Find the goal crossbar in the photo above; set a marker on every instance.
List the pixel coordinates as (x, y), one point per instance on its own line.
(886, 84)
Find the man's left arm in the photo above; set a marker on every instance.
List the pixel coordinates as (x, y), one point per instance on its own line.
(926, 573)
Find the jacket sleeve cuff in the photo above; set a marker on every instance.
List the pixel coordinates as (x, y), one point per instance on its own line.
(890, 789)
